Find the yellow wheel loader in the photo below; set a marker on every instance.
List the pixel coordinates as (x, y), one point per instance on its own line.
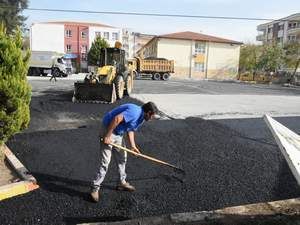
(111, 81)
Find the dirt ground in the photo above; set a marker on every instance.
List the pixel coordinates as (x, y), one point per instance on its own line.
(6, 173)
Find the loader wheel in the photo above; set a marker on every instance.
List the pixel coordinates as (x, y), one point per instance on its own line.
(165, 76)
(120, 84)
(128, 85)
(156, 76)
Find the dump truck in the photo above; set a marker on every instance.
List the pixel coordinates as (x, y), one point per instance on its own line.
(155, 68)
(47, 62)
(111, 81)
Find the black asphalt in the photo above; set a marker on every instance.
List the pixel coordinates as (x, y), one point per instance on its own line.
(224, 167)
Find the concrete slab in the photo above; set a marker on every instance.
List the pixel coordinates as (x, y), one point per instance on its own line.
(289, 144)
(26, 185)
(223, 106)
(261, 213)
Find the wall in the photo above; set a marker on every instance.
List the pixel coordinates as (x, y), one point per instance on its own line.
(223, 61)
(220, 60)
(47, 37)
(76, 41)
(177, 50)
(110, 41)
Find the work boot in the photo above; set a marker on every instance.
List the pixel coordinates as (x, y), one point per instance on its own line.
(95, 195)
(125, 186)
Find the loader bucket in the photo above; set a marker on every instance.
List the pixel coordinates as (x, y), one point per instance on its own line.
(94, 93)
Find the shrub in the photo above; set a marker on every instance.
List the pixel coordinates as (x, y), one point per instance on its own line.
(15, 92)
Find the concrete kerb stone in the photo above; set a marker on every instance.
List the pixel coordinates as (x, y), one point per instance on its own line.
(28, 182)
(229, 215)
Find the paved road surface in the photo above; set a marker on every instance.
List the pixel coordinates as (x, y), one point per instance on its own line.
(227, 163)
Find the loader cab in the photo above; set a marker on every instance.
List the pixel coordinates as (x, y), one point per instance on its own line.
(113, 57)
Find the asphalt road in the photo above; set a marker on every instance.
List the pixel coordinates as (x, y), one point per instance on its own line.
(227, 162)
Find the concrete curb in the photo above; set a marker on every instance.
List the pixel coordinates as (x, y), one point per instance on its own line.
(266, 212)
(27, 184)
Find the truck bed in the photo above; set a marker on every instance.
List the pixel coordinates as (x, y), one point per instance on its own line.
(157, 65)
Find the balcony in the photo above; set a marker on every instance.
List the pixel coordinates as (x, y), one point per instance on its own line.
(294, 30)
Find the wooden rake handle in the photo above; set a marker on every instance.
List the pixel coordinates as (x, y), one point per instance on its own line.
(144, 156)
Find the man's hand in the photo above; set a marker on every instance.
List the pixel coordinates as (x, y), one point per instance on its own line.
(107, 140)
(135, 149)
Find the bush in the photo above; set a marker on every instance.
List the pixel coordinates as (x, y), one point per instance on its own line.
(15, 92)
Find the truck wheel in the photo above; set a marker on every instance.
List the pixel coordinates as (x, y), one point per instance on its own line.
(156, 76)
(128, 85)
(165, 76)
(120, 84)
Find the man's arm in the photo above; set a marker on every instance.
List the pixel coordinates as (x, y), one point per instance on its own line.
(113, 124)
(132, 141)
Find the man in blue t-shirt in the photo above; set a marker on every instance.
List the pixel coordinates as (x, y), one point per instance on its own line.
(125, 119)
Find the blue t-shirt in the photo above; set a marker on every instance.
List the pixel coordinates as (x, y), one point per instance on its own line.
(133, 118)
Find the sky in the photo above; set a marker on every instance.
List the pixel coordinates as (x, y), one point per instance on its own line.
(244, 31)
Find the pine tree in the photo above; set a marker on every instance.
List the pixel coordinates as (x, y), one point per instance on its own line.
(15, 92)
(94, 53)
(10, 14)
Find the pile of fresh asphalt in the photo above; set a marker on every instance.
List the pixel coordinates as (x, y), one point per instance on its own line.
(60, 148)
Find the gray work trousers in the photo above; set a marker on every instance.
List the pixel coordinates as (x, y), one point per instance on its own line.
(120, 157)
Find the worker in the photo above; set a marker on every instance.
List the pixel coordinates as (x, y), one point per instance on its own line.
(121, 121)
(53, 75)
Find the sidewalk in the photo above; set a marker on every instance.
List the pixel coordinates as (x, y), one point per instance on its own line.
(277, 212)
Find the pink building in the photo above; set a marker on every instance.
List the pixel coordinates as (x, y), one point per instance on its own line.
(72, 38)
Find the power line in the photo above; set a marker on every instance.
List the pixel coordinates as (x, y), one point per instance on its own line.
(149, 14)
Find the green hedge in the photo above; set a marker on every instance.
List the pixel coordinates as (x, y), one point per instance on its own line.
(15, 92)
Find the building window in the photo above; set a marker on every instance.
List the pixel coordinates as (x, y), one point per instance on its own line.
(69, 48)
(68, 33)
(83, 34)
(280, 27)
(97, 34)
(199, 67)
(115, 36)
(199, 48)
(83, 57)
(83, 48)
(292, 25)
(106, 35)
(270, 30)
(292, 37)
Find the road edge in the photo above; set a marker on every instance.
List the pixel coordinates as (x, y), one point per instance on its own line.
(268, 211)
(28, 182)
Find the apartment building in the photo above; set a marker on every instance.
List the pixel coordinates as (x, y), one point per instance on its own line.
(127, 42)
(72, 38)
(280, 31)
(196, 55)
(133, 41)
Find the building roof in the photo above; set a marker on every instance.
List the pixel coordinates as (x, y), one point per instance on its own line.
(188, 35)
(287, 18)
(79, 23)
